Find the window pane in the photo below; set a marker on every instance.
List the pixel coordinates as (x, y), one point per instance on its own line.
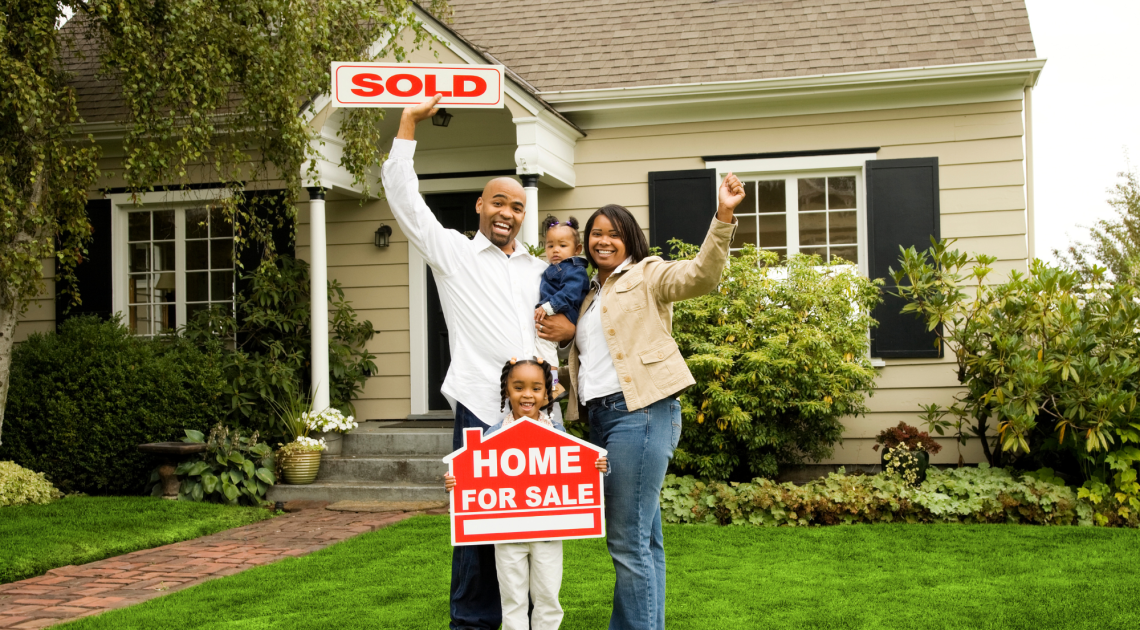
(813, 228)
(164, 285)
(841, 227)
(164, 314)
(197, 256)
(140, 320)
(745, 231)
(850, 254)
(196, 223)
(137, 289)
(770, 196)
(138, 226)
(194, 309)
(841, 193)
(140, 256)
(819, 251)
(749, 203)
(197, 287)
(164, 256)
(218, 224)
(773, 231)
(811, 194)
(222, 285)
(222, 254)
(164, 225)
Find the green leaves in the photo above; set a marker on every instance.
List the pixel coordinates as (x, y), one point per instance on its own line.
(779, 354)
(956, 495)
(235, 469)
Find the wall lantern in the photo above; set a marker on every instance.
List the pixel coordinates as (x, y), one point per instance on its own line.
(442, 118)
(382, 234)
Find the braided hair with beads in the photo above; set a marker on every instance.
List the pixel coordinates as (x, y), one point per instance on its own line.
(546, 372)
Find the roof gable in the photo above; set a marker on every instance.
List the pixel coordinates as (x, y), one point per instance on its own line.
(561, 45)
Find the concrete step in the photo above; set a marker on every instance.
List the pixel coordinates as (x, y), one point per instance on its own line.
(379, 439)
(420, 469)
(333, 491)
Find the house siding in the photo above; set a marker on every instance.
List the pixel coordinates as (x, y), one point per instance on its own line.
(981, 175)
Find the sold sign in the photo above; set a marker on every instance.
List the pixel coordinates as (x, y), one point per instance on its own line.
(401, 84)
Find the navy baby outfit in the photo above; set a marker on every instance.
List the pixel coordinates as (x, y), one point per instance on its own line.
(564, 286)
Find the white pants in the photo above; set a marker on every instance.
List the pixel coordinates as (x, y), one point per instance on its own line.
(548, 350)
(534, 567)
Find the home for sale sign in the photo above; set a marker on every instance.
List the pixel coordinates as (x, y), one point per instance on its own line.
(402, 84)
(523, 483)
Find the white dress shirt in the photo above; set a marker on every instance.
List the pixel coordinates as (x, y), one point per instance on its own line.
(487, 296)
(597, 375)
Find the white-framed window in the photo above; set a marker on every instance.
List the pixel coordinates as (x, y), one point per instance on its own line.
(173, 256)
(809, 205)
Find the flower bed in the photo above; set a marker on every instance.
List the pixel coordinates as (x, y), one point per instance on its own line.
(957, 495)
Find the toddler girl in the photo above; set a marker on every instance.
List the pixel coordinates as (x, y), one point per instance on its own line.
(533, 568)
(564, 284)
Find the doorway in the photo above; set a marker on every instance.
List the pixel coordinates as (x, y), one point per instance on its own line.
(455, 211)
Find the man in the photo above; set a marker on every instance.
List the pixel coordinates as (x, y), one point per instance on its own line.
(488, 288)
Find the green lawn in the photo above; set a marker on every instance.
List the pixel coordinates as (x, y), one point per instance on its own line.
(77, 530)
(867, 576)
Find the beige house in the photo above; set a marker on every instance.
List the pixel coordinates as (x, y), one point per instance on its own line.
(859, 127)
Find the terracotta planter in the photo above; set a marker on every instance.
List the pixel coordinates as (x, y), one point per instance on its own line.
(301, 468)
(333, 442)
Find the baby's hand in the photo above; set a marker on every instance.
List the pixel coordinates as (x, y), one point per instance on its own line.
(539, 314)
(601, 464)
(448, 482)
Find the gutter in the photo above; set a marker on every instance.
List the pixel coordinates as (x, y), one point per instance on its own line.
(1029, 69)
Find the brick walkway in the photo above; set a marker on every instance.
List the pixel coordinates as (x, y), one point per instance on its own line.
(70, 592)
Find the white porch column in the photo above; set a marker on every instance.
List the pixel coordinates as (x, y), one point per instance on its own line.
(529, 232)
(318, 297)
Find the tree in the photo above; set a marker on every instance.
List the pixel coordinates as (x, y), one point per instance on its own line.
(216, 91)
(1114, 243)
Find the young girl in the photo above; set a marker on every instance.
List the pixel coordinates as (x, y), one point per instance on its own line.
(564, 284)
(531, 568)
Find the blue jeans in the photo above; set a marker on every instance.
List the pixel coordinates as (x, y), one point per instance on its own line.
(475, 599)
(640, 445)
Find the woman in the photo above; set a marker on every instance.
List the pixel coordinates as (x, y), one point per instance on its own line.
(626, 370)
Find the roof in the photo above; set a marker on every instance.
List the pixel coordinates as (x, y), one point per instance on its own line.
(561, 45)
(556, 45)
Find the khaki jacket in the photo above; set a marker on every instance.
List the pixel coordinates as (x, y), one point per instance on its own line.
(637, 320)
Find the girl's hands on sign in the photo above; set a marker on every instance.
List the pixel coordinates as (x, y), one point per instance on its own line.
(448, 482)
(601, 464)
(729, 196)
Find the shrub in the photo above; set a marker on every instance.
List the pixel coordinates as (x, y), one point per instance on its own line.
(1049, 364)
(234, 469)
(960, 495)
(779, 355)
(268, 367)
(83, 399)
(20, 486)
(909, 436)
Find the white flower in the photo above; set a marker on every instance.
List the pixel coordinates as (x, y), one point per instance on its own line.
(311, 444)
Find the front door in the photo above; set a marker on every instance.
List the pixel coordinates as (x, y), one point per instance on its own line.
(456, 211)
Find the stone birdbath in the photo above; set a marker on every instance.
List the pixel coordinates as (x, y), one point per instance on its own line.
(170, 453)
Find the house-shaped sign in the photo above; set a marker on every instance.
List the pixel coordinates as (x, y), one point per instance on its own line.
(525, 482)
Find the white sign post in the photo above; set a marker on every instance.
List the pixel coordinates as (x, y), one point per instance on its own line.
(362, 84)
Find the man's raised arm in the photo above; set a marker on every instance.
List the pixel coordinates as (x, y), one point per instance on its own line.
(402, 188)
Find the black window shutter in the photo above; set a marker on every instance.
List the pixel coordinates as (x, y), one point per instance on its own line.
(902, 210)
(681, 205)
(93, 274)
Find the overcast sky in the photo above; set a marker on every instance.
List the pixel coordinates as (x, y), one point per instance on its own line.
(1086, 111)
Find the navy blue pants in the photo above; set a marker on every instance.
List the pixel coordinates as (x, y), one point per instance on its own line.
(475, 599)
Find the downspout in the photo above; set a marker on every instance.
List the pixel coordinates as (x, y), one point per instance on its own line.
(1031, 232)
